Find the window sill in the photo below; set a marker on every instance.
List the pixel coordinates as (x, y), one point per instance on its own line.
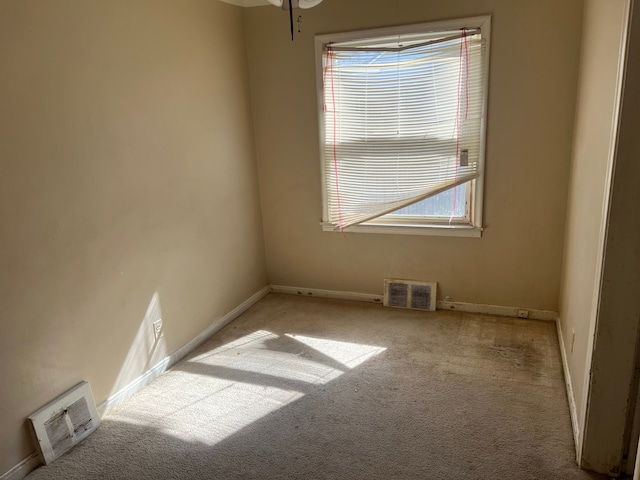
(432, 230)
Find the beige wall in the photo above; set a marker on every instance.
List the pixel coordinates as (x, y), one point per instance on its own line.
(594, 136)
(534, 64)
(127, 170)
(612, 385)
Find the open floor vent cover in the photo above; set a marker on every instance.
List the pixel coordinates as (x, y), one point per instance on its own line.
(65, 422)
(410, 294)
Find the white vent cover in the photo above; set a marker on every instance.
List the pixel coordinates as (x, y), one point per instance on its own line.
(410, 294)
(65, 422)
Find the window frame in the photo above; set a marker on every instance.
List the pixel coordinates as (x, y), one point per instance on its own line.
(430, 225)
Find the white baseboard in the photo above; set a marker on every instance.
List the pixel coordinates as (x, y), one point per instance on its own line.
(138, 384)
(442, 305)
(497, 310)
(23, 469)
(573, 411)
(336, 295)
(167, 362)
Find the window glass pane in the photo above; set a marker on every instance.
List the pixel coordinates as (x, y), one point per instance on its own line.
(446, 204)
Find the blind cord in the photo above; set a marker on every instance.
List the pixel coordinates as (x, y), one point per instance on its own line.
(335, 147)
(464, 58)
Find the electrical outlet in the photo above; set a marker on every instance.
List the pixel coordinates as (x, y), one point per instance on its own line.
(523, 313)
(157, 328)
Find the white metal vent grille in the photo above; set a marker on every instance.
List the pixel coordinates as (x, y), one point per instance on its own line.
(65, 422)
(410, 294)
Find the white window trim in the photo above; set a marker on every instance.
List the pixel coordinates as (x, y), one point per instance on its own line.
(399, 229)
(466, 230)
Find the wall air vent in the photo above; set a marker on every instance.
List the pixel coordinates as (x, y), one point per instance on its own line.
(410, 294)
(64, 422)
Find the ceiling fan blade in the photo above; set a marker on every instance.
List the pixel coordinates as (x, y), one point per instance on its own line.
(309, 3)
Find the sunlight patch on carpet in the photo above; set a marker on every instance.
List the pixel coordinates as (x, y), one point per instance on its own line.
(216, 394)
(219, 416)
(349, 354)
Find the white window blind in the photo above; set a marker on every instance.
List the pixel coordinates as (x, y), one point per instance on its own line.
(403, 119)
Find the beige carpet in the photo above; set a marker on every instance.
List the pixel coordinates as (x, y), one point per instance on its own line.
(309, 388)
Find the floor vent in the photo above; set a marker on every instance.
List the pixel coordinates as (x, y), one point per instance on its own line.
(410, 294)
(65, 422)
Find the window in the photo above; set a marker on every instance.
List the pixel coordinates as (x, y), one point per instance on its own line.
(402, 120)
